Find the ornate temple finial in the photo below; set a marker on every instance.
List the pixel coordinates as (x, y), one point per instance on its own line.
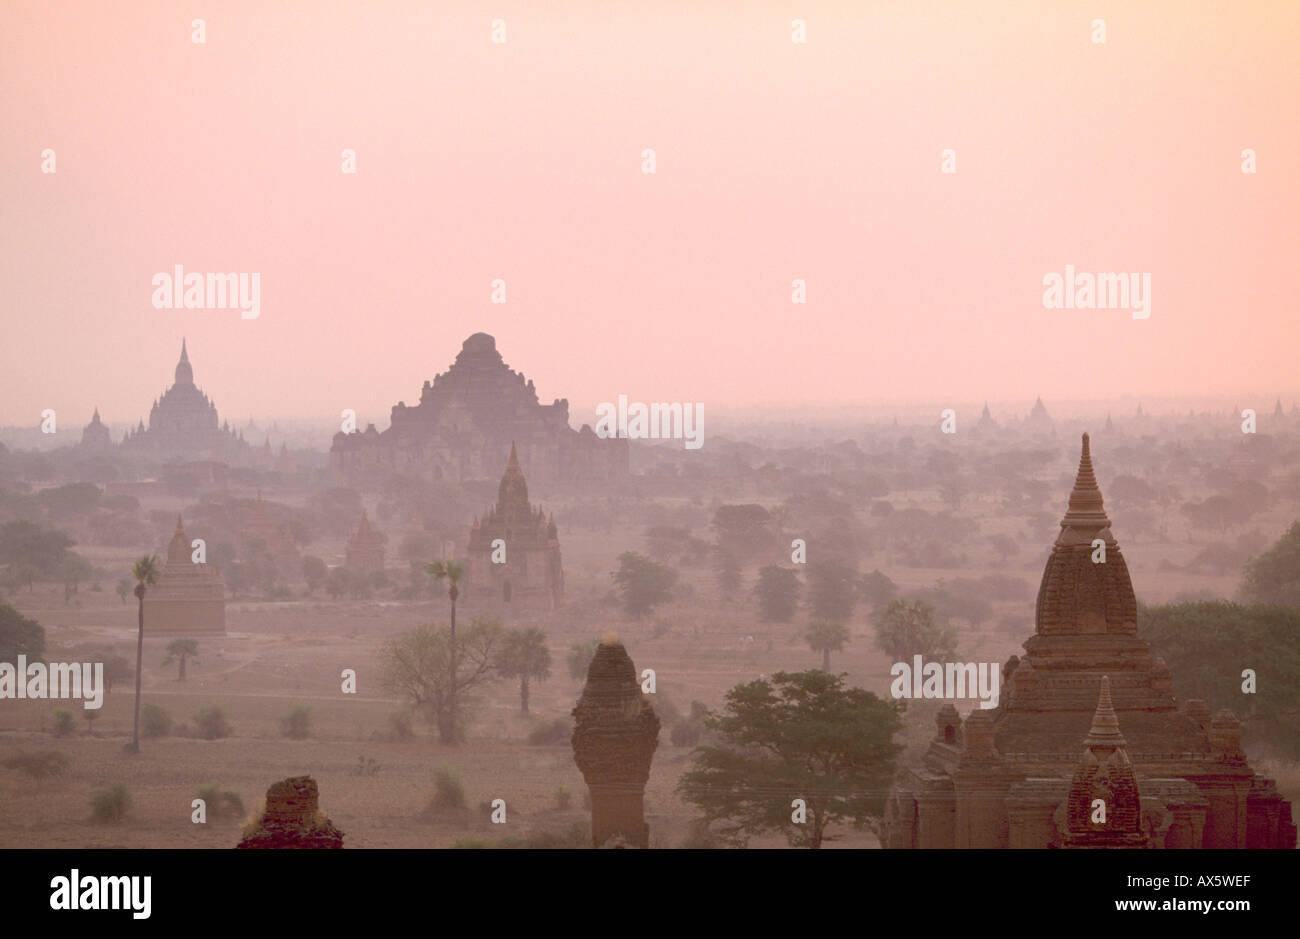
(1105, 730)
(514, 457)
(180, 529)
(185, 356)
(1085, 508)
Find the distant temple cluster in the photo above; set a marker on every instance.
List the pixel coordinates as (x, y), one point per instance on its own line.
(189, 599)
(514, 552)
(1087, 716)
(465, 422)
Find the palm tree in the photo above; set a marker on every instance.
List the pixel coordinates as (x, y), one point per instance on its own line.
(452, 572)
(145, 571)
(524, 655)
(825, 636)
(181, 649)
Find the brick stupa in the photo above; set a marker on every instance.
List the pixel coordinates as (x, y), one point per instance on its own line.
(293, 819)
(999, 778)
(189, 599)
(615, 735)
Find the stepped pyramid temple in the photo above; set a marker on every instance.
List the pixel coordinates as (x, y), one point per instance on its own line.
(365, 547)
(183, 424)
(465, 423)
(189, 599)
(527, 573)
(986, 424)
(1011, 776)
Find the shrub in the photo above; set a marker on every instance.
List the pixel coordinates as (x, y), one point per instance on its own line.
(211, 723)
(366, 766)
(297, 723)
(577, 835)
(685, 734)
(399, 723)
(448, 796)
(64, 723)
(469, 843)
(38, 765)
(221, 804)
(551, 733)
(156, 720)
(109, 806)
(562, 798)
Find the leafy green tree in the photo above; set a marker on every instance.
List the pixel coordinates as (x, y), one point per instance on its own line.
(832, 590)
(825, 636)
(72, 501)
(877, 589)
(124, 588)
(1209, 644)
(452, 572)
(1274, 576)
(744, 530)
(642, 583)
(908, 627)
(579, 658)
(728, 568)
(19, 635)
(72, 571)
(336, 582)
(417, 665)
(146, 572)
(524, 655)
(777, 591)
(800, 735)
(181, 649)
(314, 572)
(24, 543)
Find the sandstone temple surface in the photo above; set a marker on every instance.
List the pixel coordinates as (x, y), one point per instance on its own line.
(293, 819)
(1010, 776)
(183, 425)
(615, 734)
(514, 552)
(189, 599)
(465, 422)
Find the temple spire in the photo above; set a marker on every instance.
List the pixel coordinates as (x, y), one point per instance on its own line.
(1085, 508)
(1105, 730)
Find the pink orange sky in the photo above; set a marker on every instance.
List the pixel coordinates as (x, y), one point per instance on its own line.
(522, 161)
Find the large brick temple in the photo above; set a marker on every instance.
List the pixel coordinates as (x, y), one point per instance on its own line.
(465, 423)
(1085, 708)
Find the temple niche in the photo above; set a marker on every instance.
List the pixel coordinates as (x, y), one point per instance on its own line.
(514, 552)
(189, 599)
(183, 425)
(468, 418)
(1012, 776)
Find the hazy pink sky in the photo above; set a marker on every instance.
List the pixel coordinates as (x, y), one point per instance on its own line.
(522, 161)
